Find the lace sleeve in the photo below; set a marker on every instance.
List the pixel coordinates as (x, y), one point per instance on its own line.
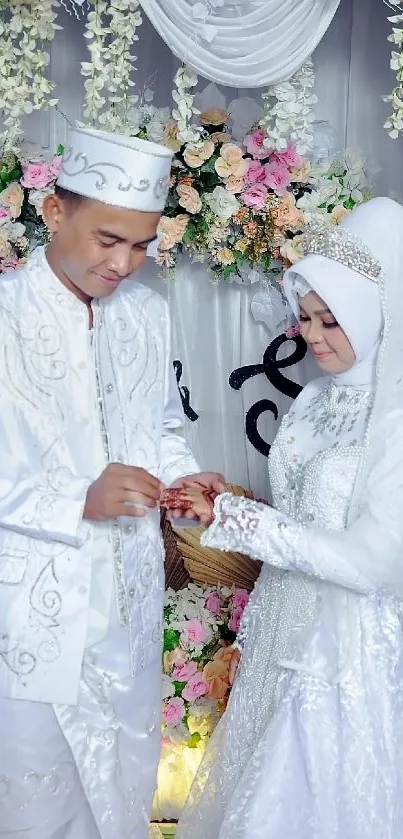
(365, 557)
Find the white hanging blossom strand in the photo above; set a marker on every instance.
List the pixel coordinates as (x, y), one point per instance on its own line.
(111, 32)
(27, 28)
(185, 81)
(394, 123)
(288, 111)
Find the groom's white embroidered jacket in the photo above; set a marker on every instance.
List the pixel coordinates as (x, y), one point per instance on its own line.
(72, 401)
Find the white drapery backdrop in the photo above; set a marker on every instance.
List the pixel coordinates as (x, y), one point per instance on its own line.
(242, 43)
(214, 331)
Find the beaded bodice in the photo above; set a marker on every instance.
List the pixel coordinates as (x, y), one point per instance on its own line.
(315, 457)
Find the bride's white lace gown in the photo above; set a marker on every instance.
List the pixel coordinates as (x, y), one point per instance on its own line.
(311, 746)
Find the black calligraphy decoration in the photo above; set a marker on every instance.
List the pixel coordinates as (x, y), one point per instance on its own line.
(271, 366)
(184, 393)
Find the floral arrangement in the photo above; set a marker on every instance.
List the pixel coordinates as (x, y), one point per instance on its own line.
(24, 184)
(200, 624)
(241, 207)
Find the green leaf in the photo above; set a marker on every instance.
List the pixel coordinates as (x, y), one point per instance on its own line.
(171, 639)
(60, 150)
(209, 165)
(194, 740)
(209, 181)
(179, 687)
(228, 270)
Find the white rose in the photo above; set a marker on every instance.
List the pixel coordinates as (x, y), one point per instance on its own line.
(155, 131)
(16, 231)
(222, 203)
(168, 688)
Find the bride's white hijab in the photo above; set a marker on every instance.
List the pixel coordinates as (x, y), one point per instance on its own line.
(352, 298)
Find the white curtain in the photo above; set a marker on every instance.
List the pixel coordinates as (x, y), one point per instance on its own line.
(242, 43)
(215, 333)
(232, 401)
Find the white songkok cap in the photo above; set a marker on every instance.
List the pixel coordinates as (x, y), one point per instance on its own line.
(122, 171)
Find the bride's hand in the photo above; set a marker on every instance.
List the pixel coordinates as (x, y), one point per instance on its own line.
(192, 499)
(202, 502)
(233, 666)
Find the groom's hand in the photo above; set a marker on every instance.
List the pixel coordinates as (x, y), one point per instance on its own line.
(212, 481)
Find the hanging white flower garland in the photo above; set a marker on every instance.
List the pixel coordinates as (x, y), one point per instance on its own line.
(111, 31)
(394, 123)
(185, 81)
(27, 28)
(288, 111)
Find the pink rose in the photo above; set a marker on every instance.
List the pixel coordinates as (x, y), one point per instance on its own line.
(195, 688)
(255, 196)
(277, 177)
(55, 166)
(183, 672)
(4, 215)
(293, 332)
(174, 711)
(289, 157)
(195, 632)
(253, 143)
(241, 598)
(256, 172)
(213, 603)
(12, 263)
(235, 620)
(36, 176)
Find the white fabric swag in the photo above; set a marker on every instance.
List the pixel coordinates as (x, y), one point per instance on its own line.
(242, 43)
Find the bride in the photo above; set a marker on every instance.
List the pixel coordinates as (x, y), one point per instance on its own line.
(311, 745)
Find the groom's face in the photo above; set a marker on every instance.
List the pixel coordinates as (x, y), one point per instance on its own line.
(95, 246)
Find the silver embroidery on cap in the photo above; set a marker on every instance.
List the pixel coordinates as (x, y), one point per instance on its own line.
(342, 245)
(86, 168)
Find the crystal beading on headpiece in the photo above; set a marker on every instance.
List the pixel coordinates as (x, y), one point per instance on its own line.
(341, 245)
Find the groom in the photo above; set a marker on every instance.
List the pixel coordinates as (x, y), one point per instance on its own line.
(89, 436)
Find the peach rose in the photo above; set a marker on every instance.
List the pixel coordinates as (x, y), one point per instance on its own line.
(339, 214)
(231, 162)
(286, 214)
(172, 231)
(292, 250)
(189, 198)
(221, 137)
(171, 136)
(197, 154)
(173, 658)
(5, 247)
(234, 184)
(216, 673)
(12, 197)
(301, 175)
(216, 116)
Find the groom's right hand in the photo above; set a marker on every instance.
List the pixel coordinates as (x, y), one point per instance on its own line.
(121, 491)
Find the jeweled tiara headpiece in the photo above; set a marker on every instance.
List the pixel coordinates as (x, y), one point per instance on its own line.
(341, 245)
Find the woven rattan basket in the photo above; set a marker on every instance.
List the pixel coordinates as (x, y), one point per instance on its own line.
(186, 560)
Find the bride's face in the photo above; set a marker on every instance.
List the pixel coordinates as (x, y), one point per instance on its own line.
(327, 341)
